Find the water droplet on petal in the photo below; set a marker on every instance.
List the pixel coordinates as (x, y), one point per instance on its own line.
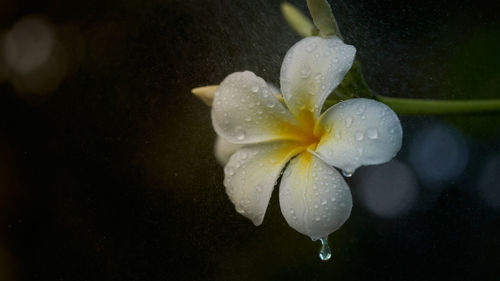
(240, 133)
(318, 77)
(348, 121)
(361, 109)
(372, 133)
(243, 155)
(270, 104)
(311, 47)
(255, 88)
(324, 253)
(305, 71)
(359, 136)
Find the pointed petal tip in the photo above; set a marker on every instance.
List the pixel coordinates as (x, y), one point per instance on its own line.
(205, 93)
(257, 221)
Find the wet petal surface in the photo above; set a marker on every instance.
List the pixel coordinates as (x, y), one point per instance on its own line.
(246, 111)
(358, 132)
(314, 198)
(252, 172)
(312, 68)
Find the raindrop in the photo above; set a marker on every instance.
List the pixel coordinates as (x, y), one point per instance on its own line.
(325, 253)
(348, 121)
(347, 174)
(270, 104)
(359, 136)
(255, 88)
(240, 133)
(318, 77)
(311, 47)
(361, 109)
(305, 71)
(372, 133)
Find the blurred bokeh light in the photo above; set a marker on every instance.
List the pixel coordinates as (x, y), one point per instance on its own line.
(36, 60)
(438, 154)
(489, 182)
(389, 190)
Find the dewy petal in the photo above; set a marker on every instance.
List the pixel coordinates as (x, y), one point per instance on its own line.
(251, 173)
(358, 132)
(311, 70)
(224, 149)
(314, 198)
(245, 111)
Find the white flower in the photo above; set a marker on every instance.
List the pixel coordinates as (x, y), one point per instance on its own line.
(314, 197)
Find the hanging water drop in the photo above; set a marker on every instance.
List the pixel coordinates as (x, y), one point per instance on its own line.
(324, 253)
(347, 174)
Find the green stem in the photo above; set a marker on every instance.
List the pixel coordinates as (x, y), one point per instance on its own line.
(439, 107)
(405, 106)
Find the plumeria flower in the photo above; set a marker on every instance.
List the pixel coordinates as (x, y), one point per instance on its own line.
(314, 197)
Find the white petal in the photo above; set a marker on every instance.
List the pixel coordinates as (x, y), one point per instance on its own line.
(245, 111)
(311, 70)
(314, 198)
(358, 132)
(224, 149)
(251, 173)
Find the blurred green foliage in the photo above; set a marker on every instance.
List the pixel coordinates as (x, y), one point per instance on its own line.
(473, 73)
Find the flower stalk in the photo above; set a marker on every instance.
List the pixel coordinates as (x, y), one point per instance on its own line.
(408, 106)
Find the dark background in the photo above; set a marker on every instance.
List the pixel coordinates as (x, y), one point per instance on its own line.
(112, 177)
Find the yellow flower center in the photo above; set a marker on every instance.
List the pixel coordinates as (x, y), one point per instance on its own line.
(308, 137)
